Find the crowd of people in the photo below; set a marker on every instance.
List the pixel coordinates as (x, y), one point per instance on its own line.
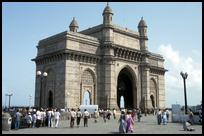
(162, 116)
(50, 117)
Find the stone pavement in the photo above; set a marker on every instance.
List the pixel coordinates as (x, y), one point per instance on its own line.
(148, 125)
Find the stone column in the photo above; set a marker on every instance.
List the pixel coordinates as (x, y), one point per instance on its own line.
(146, 87)
(37, 92)
(161, 92)
(110, 83)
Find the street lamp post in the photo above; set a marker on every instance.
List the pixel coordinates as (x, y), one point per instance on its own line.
(184, 76)
(41, 76)
(10, 94)
(5, 100)
(30, 97)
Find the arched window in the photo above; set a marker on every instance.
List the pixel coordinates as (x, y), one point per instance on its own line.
(87, 78)
(88, 88)
(153, 90)
(86, 99)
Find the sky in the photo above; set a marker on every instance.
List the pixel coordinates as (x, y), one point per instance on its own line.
(174, 31)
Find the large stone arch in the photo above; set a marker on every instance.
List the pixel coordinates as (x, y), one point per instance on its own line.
(126, 86)
(88, 83)
(153, 93)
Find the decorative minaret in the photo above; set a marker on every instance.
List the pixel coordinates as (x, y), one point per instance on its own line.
(145, 70)
(73, 25)
(142, 28)
(108, 27)
(107, 15)
(109, 94)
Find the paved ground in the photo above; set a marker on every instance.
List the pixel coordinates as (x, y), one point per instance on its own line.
(148, 125)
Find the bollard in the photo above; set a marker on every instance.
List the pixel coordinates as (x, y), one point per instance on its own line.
(6, 121)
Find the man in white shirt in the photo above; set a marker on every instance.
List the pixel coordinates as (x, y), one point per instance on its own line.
(17, 119)
(50, 114)
(73, 116)
(38, 117)
(57, 117)
(79, 115)
(86, 115)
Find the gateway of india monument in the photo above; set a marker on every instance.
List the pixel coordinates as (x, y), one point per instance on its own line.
(106, 62)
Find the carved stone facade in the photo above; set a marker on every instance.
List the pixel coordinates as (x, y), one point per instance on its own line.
(107, 61)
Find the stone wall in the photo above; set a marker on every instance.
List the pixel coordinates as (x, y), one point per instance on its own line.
(126, 41)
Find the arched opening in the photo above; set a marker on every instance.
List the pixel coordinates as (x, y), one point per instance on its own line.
(152, 100)
(125, 88)
(86, 98)
(153, 90)
(122, 104)
(50, 99)
(87, 88)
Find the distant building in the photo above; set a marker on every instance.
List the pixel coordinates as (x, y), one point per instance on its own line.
(107, 61)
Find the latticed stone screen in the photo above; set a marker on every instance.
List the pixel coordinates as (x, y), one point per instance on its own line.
(87, 78)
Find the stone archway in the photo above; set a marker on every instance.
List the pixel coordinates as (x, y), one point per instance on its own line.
(153, 91)
(87, 98)
(88, 85)
(126, 88)
(152, 100)
(50, 99)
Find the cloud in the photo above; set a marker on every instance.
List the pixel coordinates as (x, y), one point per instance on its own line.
(175, 63)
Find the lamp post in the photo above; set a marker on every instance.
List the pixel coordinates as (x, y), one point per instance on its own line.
(41, 76)
(30, 97)
(9, 95)
(184, 76)
(5, 101)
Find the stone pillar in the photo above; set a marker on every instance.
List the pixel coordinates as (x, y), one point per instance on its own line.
(59, 94)
(146, 87)
(161, 92)
(37, 92)
(110, 84)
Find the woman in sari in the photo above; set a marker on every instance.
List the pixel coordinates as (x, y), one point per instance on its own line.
(129, 121)
(122, 126)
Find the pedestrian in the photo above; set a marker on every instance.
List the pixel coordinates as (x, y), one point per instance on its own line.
(122, 121)
(43, 117)
(38, 117)
(86, 115)
(139, 115)
(52, 119)
(50, 115)
(34, 119)
(29, 120)
(96, 115)
(164, 117)
(73, 116)
(167, 115)
(114, 113)
(57, 117)
(134, 114)
(79, 115)
(191, 116)
(17, 119)
(159, 117)
(130, 122)
(104, 115)
(108, 114)
(145, 112)
(186, 126)
(200, 116)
